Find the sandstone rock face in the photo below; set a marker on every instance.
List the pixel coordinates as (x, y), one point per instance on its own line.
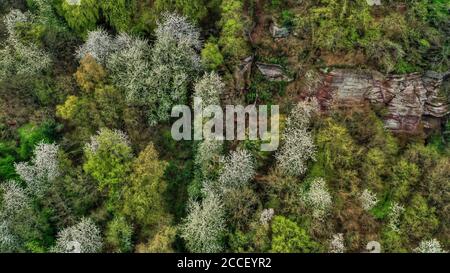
(272, 72)
(411, 99)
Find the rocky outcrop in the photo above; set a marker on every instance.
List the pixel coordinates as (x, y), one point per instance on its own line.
(242, 74)
(273, 72)
(411, 99)
(278, 32)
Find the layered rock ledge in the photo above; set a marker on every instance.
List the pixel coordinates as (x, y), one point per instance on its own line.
(411, 100)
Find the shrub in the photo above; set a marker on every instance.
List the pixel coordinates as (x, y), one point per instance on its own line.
(82, 16)
(211, 56)
(118, 235)
(118, 13)
(288, 237)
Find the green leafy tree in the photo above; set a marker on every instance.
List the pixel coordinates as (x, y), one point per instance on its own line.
(161, 243)
(82, 16)
(195, 10)
(119, 235)
(405, 176)
(288, 237)
(419, 220)
(118, 13)
(108, 161)
(99, 105)
(143, 195)
(231, 41)
(337, 151)
(211, 56)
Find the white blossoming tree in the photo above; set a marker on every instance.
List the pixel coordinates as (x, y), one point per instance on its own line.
(8, 241)
(368, 199)
(129, 66)
(318, 198)
(42, 170)
(176, 63)
(298, 145)
(300, 117)
(394, 216)
(83, 237)
(17, 218)
(430, 246)
(204, 226)
(17, 58)
(73, 2)
(177, 28)
(99, 44)
(337, 244)
(11, 19)
(14, 198)
(209, 88)
(126, 57)
(157, 78)
(209, 151)
(238, 169)
(208, 154)
(266, 216)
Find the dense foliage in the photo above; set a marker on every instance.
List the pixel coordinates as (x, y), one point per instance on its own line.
(88, 163)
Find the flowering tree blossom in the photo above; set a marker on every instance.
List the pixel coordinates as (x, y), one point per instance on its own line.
(129, 66)
(176, 63)
(15, 216)
(298, 146)
(394, 216)
(266, 216)
(16, 57)
(99, 45)
(238, 169)
(41, 170)
(14, 198)
(300, 116)
(430, 246)
(297, 149)
(208, 152)
(337, 244)
(11, 19)
(179, 29)
(318, 198)
(8, 242)
(83, 237)
(209, 88)
(127, 59)
(368, 199)
(104, 136)
(157, 77)
(204, 226)
(23, 60)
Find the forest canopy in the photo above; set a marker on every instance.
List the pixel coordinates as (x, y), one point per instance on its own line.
(86, 152)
